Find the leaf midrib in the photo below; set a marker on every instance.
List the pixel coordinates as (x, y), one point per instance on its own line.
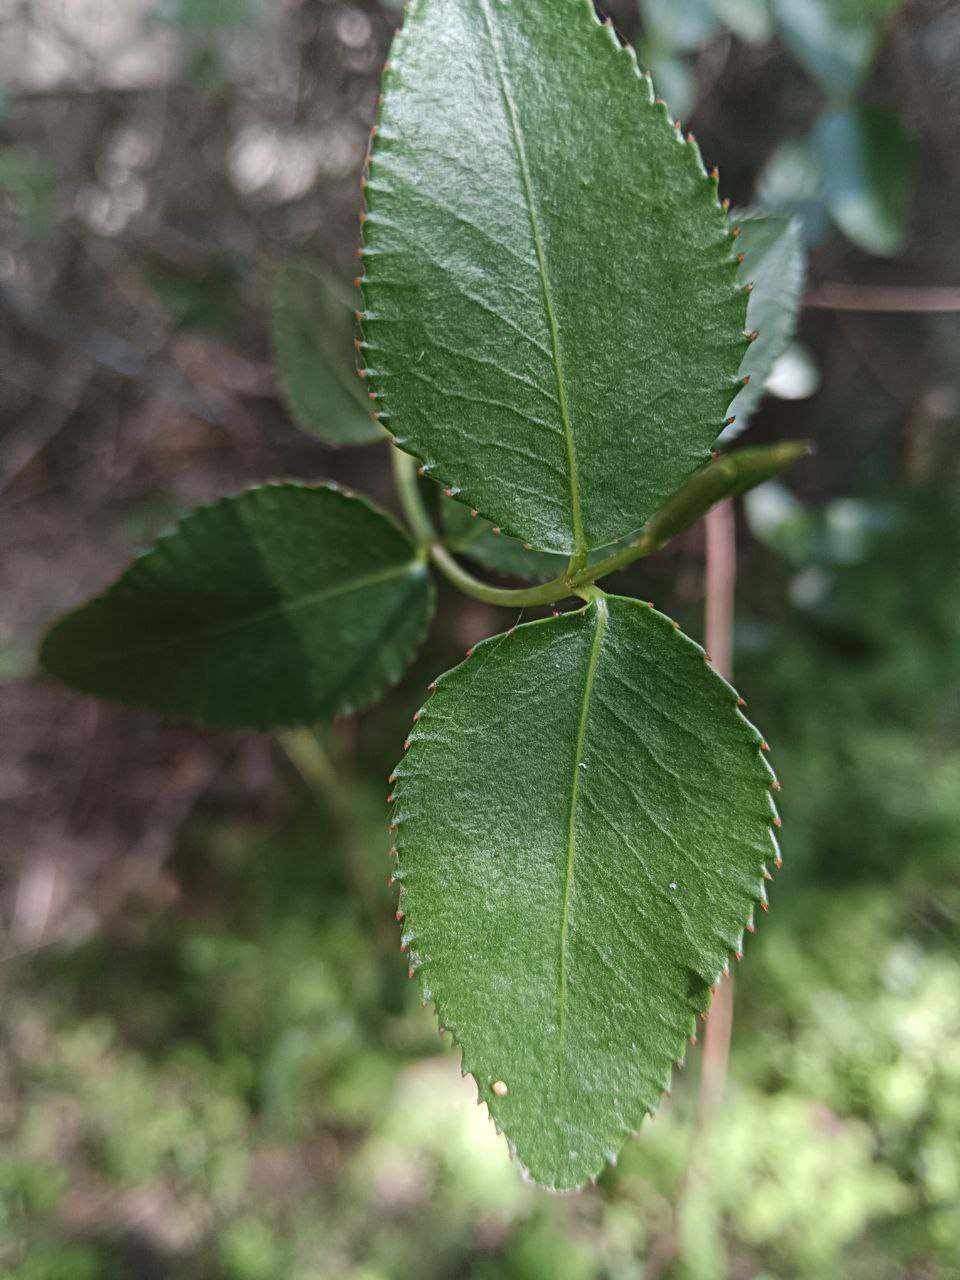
(250, 620)
(602, 612)
(580, 546)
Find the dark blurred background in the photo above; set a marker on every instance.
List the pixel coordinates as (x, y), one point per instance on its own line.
(211, 1062)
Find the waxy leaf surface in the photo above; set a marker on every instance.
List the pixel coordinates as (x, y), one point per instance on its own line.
(581, 819)
(552, 321)
(276, 607)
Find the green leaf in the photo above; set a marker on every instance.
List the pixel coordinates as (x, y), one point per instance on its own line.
(726, 477)
(276, 607)
(867, 162)
(673, 77)
(552, 323)
(313, 328)
(474, 537)
(581, 821)
(751, 20)
(683, 26)
(774, 262)
(833, 43)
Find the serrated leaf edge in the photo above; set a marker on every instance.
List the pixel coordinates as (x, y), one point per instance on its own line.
(369, 375)
(485, 1091)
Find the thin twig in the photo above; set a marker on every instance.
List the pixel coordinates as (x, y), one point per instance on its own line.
(894, 298)
(721, 577)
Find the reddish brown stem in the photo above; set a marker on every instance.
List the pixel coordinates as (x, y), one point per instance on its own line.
(720, 586)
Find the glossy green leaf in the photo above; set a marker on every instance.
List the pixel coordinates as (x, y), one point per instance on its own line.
(552, 322)
(867, 163)
(313, 330)
(581, 820)
(473, 537)
(276, 607)
(774, 262)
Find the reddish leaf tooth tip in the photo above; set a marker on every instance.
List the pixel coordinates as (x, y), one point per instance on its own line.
(734, 231)
(407, 744)
(764, 906)
(748, 288)
(374, 130)
(738, 955)
(409, 973)
(741, 702)
(421, 471)
(358, 316)
(470, 652)
(381, 99)
(658, 101)
(741, 257)
(372, 395)
(376, 418)
(693, 1039)
(764, 746)
(754, 335)
(399, 916)
(474, 513)
(358, 281)
(432, 685)
(778, 863)
(775, 786)
(751, 927)
(495, 529)
(707, 658)
(777, 822)
(745, 380)
(363, 181)
(731, 420)
(448, 492)
(390, 798)
(715, 174)
(391, 881)
(392, 827)
(766, 874)
(392, 853)
(357, 343)
(361, 373)
(417, 716)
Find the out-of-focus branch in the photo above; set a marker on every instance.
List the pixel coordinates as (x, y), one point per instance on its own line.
(894, 298)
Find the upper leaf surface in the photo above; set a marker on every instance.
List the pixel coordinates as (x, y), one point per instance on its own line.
(313, 338)
(275, 607)
(552, 319)
(582, 820)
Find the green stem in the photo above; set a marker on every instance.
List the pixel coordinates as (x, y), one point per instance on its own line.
(721, 478)
(577, 575)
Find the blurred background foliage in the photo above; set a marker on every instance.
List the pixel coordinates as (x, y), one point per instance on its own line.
(211, 1062)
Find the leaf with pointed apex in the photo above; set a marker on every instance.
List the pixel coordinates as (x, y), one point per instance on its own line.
(552, 322)
(278, 606)
(774, 262)
(313, 329)
(582, 820)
